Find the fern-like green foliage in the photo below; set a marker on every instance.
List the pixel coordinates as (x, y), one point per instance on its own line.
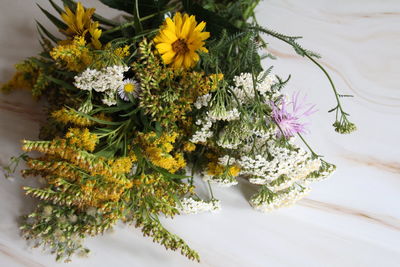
(233, 54)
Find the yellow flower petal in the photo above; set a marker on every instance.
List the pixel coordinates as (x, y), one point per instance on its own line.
(79, 16)
(170, 25)
(188, 61)
(164, 47)
(204, 35)
(167, 36)
(168, 57)
(200, 27)
(178, 23)
(178, 61)
(185, 30)
(195, 57)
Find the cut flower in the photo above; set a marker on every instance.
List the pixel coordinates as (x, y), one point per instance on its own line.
(80, 23)
(179, 40)
(287, 116)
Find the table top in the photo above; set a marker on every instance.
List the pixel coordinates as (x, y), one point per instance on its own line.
(351, 219)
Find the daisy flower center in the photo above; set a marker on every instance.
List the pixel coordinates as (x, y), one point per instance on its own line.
(129, 87)
(180, 46)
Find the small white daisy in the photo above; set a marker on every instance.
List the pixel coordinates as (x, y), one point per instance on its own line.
(129, 87)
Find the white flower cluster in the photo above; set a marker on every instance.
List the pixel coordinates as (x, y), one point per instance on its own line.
(225, 144)
(324, 172)
(267, 202)
(226, 160)
(193, 206)
(201, 136)
(203, 101)
(244, 88)
(106, 80)
(223, 180)
(206, 123)
(224, 115)
(296, 164)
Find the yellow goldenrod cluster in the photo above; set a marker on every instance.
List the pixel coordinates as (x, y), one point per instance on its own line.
(158, 150)
(28, 76)
(214, 168)
(83, 179)
(75, 55)
(198, 84)
(82, 138)
(157, 193)
(122, 52)
(189, 147)
(81, 24)
(121, 165)
(67, 116)
(215, 80)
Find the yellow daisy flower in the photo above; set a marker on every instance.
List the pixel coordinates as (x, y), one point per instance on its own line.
(81, 23)
(179, 39)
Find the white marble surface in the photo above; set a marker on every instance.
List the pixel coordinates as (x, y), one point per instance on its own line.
(352, 219)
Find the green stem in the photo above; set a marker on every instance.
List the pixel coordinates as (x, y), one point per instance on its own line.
(209, 188)
(308, 146)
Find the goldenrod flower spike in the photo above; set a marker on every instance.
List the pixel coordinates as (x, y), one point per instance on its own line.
(180, 39)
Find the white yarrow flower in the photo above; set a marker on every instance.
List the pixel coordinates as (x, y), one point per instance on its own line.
(194, 206)
(106, 80)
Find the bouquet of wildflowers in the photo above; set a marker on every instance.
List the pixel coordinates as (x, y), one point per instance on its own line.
(139, 108)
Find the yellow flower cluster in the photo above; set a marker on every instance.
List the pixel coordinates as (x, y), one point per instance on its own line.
(95, 182)
(122, 52)
(189, 147)
(158, 150)
(66, 116)
(215, 169)
(75, 55)
(81, 24)
(82, 138)
(121, 165)
(28, 76)
(154, 188)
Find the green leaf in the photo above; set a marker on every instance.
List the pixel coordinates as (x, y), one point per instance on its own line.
(40, 63)
(96, 119)
(169, 175)
(56, 7)
(136, 18)
(59, 24)
(158, 128)
(187, 4)
(123, 5)
(144, 7)
(42, 29)
(215, 23)
(61, 83)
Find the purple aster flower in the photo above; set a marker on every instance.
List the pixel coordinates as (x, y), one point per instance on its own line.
(287, 115)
